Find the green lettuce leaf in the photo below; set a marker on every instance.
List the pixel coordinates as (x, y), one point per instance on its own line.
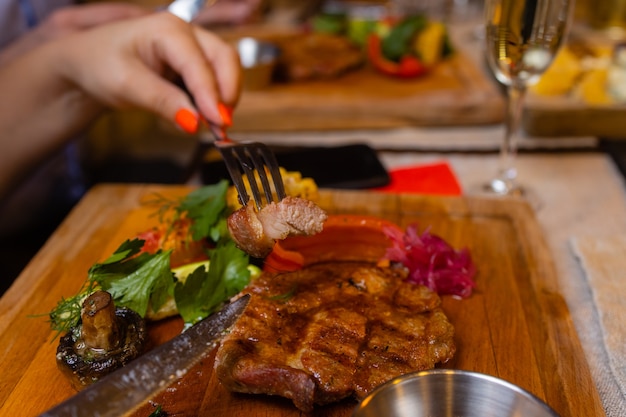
(204, 291)
(206, 207)
(135, 282)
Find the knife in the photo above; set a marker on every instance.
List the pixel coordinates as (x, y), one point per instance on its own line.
(127, 388)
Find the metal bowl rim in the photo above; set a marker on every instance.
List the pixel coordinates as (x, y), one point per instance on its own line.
(473, 374)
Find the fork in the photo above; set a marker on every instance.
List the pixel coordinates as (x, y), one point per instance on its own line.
(253, 160)
(241, 158)
(248, 158)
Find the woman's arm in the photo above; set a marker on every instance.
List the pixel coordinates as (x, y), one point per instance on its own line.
(70, 19)
(58, 89)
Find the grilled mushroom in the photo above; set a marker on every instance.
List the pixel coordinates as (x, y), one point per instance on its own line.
(106, 339)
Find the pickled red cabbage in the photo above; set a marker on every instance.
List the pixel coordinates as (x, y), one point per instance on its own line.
(431, 261)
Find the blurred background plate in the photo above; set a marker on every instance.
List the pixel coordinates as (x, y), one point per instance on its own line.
(583, 93)
(455, 93)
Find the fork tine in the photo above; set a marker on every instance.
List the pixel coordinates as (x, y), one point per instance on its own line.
(262, 160)
(272, 164)
(234, 171)
(246, 159)
(247, 163)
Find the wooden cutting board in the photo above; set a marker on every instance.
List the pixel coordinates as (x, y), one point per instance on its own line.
(456, 92)
(515, 326)
(567, 117)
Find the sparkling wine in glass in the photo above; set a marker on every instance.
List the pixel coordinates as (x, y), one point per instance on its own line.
(522, 36)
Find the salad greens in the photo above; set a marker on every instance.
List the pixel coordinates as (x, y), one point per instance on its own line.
(205, 290)
(141, 281)
(206, 207)
(399, 39)
(134, 281)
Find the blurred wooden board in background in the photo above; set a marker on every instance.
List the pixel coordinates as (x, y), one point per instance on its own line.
(567, 117)
(456, 92)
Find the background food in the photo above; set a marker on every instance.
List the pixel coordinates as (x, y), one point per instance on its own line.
(579, 71)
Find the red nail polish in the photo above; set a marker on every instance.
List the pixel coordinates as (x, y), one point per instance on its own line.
(226, 113)
(187, 120)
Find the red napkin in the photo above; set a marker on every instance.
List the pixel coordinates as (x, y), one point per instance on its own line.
(436, 178)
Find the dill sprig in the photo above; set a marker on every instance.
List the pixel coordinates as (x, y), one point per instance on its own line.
(67, 312)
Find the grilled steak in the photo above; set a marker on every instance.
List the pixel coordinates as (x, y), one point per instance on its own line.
(317, 56)
(331, 331)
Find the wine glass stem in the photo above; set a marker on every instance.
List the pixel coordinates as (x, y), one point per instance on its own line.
(507, 172)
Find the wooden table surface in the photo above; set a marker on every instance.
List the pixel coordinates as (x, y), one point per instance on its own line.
(515, 326)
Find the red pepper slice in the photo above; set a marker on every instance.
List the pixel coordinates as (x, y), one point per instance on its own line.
(345, 237)
(408, 67)
(184, 251)
(283, 260)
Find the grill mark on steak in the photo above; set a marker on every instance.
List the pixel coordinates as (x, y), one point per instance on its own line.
(331, 331)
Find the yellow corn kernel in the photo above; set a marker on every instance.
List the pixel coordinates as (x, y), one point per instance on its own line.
(295, 186)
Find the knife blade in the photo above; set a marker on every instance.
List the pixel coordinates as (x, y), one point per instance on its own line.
(127, 388)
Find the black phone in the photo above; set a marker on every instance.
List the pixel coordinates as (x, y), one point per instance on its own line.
(352, 166)
(616, 149)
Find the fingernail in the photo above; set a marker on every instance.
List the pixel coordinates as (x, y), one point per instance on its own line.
(187, 120)
(226, 113)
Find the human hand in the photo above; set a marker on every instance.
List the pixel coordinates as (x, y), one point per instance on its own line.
(68, 20)
(135, 65)
(229, 12)
(58, 89)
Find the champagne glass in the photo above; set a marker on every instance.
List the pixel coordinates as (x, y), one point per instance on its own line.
(523, 36)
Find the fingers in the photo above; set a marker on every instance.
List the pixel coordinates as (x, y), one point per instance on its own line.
(140, 86)
(224, 62)
(208, 66)
(130, 70)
